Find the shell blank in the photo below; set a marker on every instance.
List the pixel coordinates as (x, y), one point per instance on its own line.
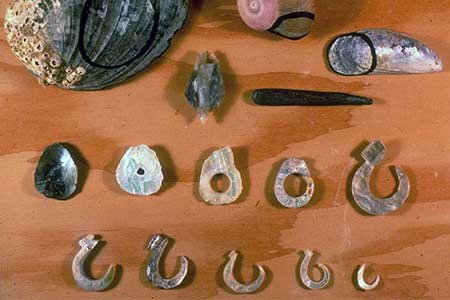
(91, 44)
(381, 51)
(139, 171)
(220, 162)
(56, 174)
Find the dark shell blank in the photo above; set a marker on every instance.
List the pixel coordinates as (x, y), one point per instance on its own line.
(381, 51)
(91, 44)
(56, 173)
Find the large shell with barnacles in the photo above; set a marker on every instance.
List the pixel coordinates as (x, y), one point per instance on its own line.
(91, 44)
(289, 18)
(381, 51)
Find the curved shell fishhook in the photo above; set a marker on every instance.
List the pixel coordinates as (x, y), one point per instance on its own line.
(157, 245)
(374, 154)
(236, 286)
(307, 281)
(87, 244)
(362, 283)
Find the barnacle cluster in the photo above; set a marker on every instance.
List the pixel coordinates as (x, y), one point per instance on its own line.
(25, 24)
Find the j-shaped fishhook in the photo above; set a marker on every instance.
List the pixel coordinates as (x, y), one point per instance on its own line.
(374, 154)
(362, 283)
(307, 281)
(233, 284)
(157, 245)
(87, 244)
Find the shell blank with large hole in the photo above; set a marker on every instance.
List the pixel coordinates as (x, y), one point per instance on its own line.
(220, 162)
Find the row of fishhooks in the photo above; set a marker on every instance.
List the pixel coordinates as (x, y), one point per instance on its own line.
(159, 243)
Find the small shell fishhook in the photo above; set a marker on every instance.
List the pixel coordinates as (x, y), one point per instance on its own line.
(87, 244)
(157, 245)
(294, 166)
(362, 283)
(307, 281)
(233, 284)
(374, 154)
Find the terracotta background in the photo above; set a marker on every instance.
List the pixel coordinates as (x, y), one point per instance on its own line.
(409, 249)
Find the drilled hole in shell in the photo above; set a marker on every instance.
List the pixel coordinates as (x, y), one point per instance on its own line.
(220, 183)
(140, 171)
(295, 185)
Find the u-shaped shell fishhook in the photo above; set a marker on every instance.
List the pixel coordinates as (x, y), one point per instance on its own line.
(363, 285)
(374, 154)
(87, 244)
(157, 245)
(306, 279)
(236, 286)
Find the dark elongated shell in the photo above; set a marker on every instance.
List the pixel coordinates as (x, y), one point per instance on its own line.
(285, 97)
(56, 174)
(289, 18)
(381, 51)
(91, 44)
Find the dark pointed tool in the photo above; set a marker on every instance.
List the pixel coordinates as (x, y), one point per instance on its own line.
(284, 97)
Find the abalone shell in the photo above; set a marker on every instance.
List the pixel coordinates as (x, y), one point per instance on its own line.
(91, 44)
(56, 174)
(381, 51)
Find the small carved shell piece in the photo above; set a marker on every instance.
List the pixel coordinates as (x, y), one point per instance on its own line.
(139, 171)
(381, 51)
(289, 18)
(220, 162)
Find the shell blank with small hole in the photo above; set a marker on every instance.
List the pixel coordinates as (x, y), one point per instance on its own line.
(139, 171)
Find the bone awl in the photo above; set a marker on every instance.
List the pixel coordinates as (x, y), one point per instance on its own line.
(285, 97)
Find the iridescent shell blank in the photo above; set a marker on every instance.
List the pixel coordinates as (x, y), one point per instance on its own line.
(139, 171)
(91, 44)
(381, 51)
(289, 18)
(220, 162)
(56, 174)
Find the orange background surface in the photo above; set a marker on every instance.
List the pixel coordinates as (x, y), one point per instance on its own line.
(409, 249)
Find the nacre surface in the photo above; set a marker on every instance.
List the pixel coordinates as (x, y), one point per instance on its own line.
(139, 171)
(381, 51)
(220, 162)
(91, 44)
(56, 174)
